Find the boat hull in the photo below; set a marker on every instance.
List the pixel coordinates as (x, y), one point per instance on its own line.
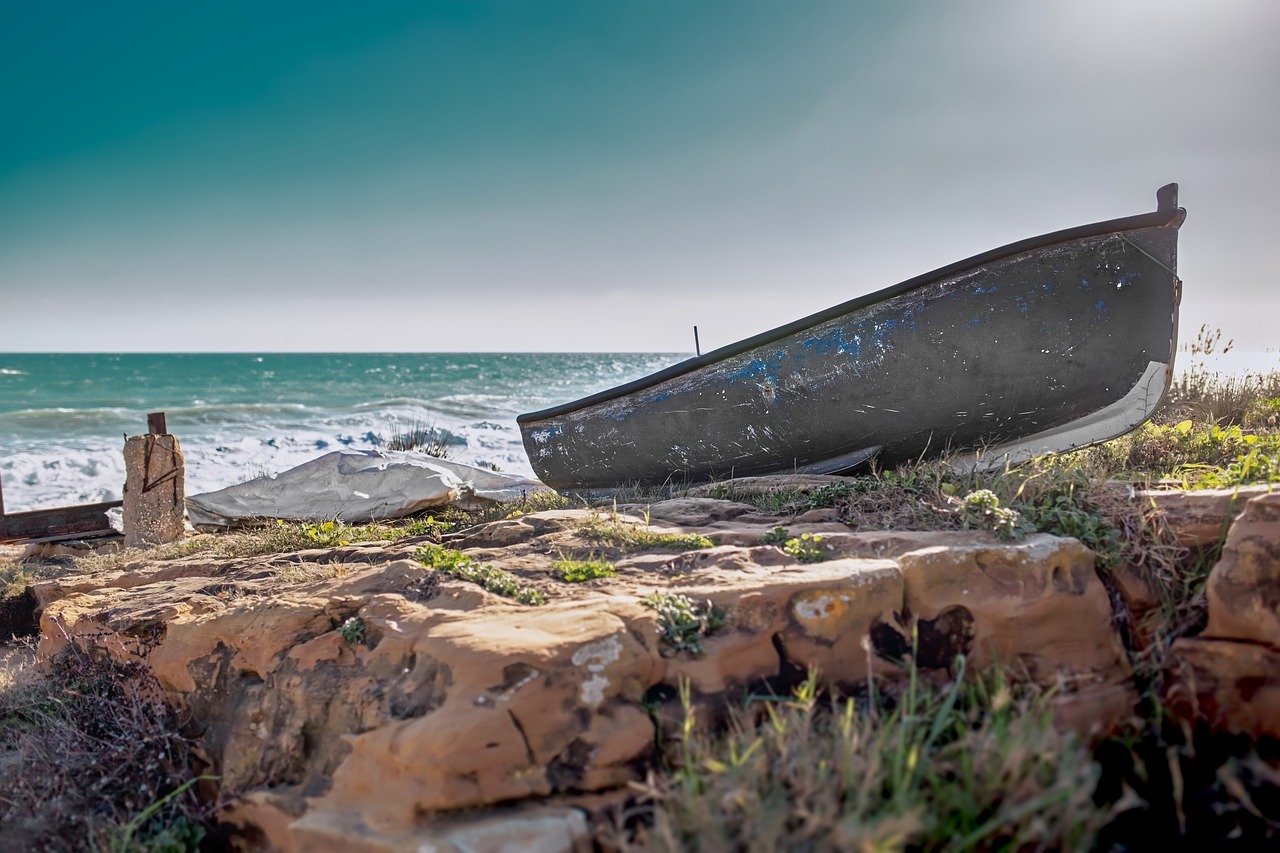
(1045, 345)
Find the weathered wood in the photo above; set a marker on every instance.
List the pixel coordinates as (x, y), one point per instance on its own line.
(65, 522)
(156, 424)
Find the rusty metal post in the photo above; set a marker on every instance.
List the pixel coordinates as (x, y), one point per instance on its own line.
(156, 424)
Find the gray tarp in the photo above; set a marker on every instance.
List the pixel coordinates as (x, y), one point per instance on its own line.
(358, 486)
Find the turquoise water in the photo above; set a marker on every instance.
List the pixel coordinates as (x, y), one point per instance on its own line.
(63, 416)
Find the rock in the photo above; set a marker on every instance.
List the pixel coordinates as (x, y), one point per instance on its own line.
(448, 697)
(746, 487)
(1035, 605)
(1230, 674)
(689, 512)
(1244, 587)
(520, 830)
(1201, 517)
(154, 496)
(38, 552)
(1234, 687)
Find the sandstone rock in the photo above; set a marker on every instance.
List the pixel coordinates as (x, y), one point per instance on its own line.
(154, 496)
(524, 830)
(38, 552)
(449, 697)
(1232, 686)
(1230, 674)
(1201, 517)
(1036, 605)
(1244, 587)
(690, 512)
(745, 487)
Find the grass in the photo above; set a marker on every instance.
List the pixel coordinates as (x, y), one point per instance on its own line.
(456, 564)
(581, 571)
(422, 437)
(609, 529)
(94, 760)
(973, 765)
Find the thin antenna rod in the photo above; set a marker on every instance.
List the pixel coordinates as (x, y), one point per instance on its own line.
(697, 347)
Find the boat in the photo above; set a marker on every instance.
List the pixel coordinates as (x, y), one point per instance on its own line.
(1044, 345)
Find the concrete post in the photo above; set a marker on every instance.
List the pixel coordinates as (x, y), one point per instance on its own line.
(154, 490)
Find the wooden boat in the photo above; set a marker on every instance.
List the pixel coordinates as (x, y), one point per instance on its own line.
(1044, 345)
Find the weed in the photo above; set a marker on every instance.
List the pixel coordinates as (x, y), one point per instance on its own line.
(1063, 514)
(777, 536)
(981, 509)
(458, 565)
(807, 548)
(352, 630)
(539, 501)
(181, 835)
(1262, 414)
(580, 571)
(682, 623)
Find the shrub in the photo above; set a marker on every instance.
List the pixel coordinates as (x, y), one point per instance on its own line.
(96, 760)
(422, 437)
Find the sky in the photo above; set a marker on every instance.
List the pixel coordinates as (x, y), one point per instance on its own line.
(600, 176)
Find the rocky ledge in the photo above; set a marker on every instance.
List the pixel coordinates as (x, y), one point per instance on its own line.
(365, 704)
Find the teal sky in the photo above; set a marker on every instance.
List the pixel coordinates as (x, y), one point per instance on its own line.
(598, 175)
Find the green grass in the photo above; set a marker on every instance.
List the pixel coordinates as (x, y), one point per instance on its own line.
(973, 765)
(456, 564)
(581, 571)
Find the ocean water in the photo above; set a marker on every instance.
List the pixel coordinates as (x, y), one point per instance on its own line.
(63, 417)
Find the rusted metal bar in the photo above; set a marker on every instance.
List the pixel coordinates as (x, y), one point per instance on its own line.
(156, 424)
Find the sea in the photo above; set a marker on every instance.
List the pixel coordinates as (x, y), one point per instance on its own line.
(63, 417)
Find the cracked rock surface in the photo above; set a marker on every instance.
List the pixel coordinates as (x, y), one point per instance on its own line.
(451, 697)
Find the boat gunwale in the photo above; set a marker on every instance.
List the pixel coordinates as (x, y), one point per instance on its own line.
(1162, 217)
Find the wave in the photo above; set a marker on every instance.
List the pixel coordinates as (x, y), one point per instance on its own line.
(9, 371)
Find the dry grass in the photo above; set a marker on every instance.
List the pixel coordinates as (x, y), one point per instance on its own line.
(94, 760)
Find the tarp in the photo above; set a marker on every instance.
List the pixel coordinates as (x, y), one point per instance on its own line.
(358, 486)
